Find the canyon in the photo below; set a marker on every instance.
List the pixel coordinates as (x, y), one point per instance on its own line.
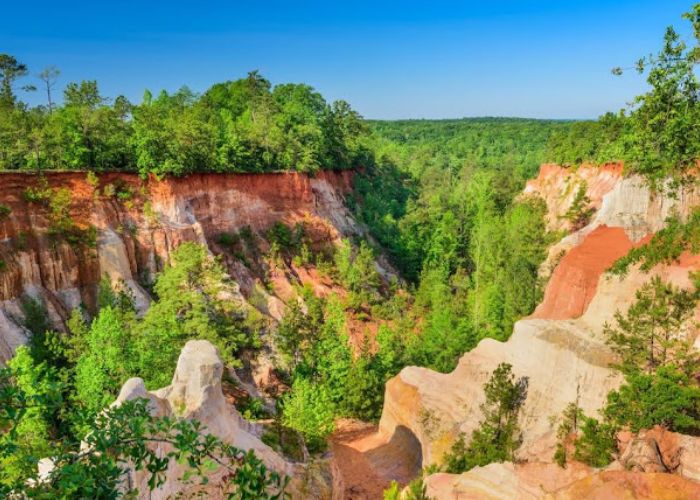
(560, 347)
(134, 237)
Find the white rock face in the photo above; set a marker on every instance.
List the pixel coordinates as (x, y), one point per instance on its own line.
(195, 393)
(561, 359)
(114, 262)
(12, 336)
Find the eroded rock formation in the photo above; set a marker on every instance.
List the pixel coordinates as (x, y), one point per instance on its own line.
(139, 222)
(560, 347)
(195, 393)
(548, 481)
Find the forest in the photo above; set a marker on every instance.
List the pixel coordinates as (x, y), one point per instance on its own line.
(452, 226)
(237, 126)
(440, 198)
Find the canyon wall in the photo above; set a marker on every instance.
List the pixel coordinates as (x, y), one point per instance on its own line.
(560, 348)
(138, 223)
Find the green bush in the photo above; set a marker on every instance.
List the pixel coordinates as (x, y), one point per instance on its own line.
(596, 444)
(284, 440)
(568, 427)
(40, 194)
(228, 239)
(309, 409)
(498, 436)
(252, 409)
(669, 397)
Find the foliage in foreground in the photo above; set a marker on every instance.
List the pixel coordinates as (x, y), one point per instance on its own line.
(118, 438)
(70, 377)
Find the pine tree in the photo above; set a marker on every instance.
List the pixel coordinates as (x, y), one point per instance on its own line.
(498, 435)
(651, 334)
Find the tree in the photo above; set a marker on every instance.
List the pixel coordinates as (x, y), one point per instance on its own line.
(568, 428)
(300, 112)
(365, 391)
(309, 409)
(92, 134)
(196, 299)
(651, 334)
(525, 242)
(332, 354)
(108, 359)
(657, 136)
(659, 366)
(497, 436)
(48, 76)
(173, 135)
(31, 429)
(299, 331)
(669, 397)
(665, 136)
(358, 273)
(484, 231)
(10, 70)
(596, 444)
(580, 210)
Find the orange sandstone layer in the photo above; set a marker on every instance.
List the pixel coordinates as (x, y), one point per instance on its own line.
(574, 281)
(135, 234)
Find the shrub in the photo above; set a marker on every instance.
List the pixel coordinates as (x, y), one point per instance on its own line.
(124, 193)
(252, 409)
(5, 211)
(109, 190)
(247, 235)
(308, 408)
(596, 444)
(580, 211)
(669, 397)
(568, 426)
(280, 234)
(92, 179)
(61, 223)
(228, 239)
(40, 194)
(416, 490)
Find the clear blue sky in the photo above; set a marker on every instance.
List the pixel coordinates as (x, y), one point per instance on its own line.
(430, 59)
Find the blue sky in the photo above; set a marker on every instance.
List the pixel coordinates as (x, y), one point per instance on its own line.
(432, 59)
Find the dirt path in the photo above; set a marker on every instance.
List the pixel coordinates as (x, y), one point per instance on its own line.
(364, 463)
